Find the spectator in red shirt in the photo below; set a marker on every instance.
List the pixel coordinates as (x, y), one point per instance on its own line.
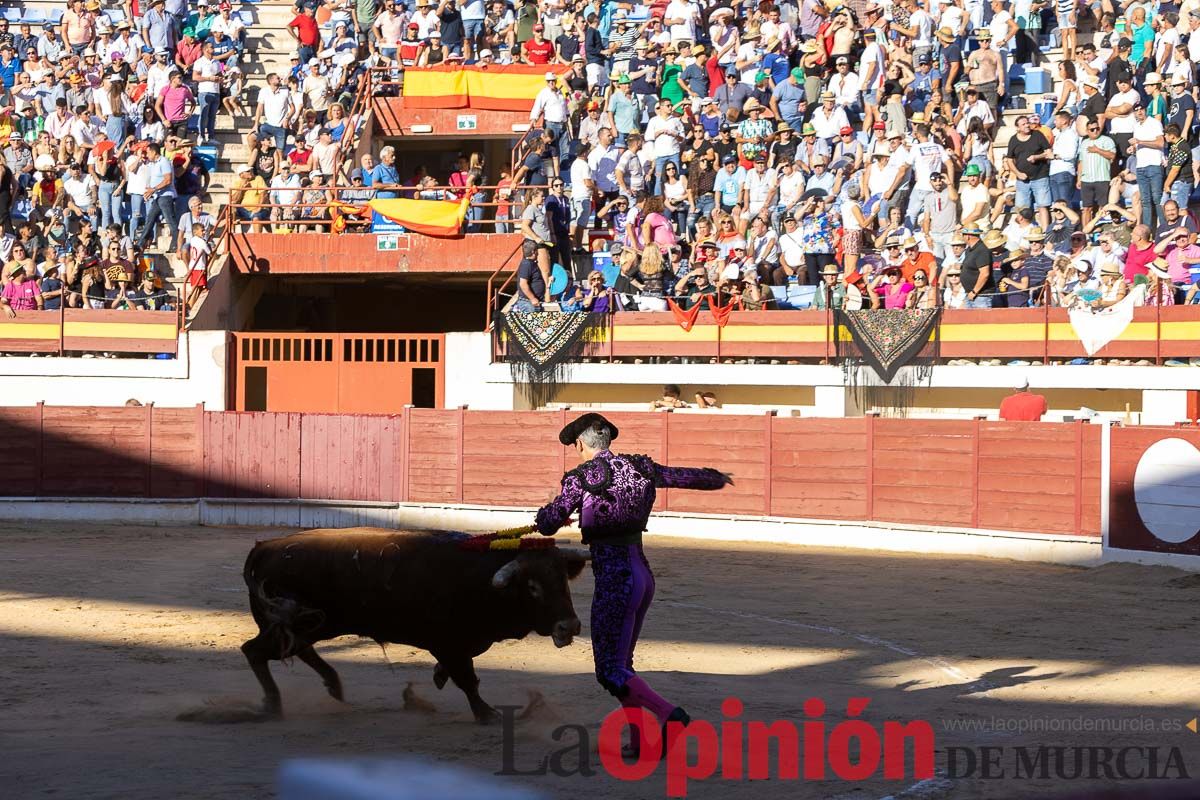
(538, 50)
(301, 156)
(187, 51)
(1023, 405)
(303, 29)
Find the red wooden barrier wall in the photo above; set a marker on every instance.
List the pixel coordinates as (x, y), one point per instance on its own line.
(962, 473)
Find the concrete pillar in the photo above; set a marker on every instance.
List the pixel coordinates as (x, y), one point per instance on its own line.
(1164, 406)
(833, 401)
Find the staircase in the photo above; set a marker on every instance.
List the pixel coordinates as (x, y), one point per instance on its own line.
(1051, 59)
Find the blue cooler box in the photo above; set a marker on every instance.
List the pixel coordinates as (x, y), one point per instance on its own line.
(1037, 81)
(207, 153)
(1044, 108)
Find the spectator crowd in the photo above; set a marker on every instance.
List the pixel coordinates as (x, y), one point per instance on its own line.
(105, 114)
(913, 153)
(108, 123)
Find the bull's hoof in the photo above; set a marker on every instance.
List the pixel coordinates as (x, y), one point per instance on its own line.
(536, 705)
(413, 702)
(486, 715)
(272, 708)
(440, 676)
(334, 687)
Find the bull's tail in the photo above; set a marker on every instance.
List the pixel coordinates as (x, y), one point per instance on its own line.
(284, 617)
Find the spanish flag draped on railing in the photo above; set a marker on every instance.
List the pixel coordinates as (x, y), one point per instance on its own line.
(429, 217)
(497, 87)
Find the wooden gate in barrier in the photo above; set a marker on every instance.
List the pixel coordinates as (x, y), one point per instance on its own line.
(363, 373)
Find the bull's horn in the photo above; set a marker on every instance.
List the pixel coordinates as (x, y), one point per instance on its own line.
(581, 553)
(505, 574)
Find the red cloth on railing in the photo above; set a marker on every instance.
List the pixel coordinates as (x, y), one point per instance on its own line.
(721, 313)
(686, 319)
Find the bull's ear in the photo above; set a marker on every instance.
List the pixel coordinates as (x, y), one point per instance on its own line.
(505, 575)
(575, 558)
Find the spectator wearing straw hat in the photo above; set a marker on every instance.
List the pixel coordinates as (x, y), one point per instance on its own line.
(21, 292)
(247, 194)
(828, 119)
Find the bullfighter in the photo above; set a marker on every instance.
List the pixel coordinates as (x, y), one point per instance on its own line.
(614, 494)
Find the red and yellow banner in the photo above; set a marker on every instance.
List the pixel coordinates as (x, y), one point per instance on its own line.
(428, 217)
(498, 87)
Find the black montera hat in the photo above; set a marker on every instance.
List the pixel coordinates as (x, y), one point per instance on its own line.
(571, 432)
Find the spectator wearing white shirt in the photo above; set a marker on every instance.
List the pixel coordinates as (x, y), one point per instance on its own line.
(974, 107)
(159, 195)
(926, 158)
(551, 107)
(206, 71)
(135, 186)
(665, 134)
(82, 193)
(683, 18)
(582, 186)
(83, 127)
(285, 191)
(828, 119)
(748, 56)
(1147, 138)
(274, 111)
(158, 75)
(759, 188)
(845, 85)
(1066, 154)
(1120, 115)
(602, 159)
(58, 123)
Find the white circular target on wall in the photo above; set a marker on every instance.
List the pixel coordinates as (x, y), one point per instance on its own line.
(1166, 489)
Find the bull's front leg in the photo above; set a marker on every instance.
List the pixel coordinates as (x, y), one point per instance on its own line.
(461, 670)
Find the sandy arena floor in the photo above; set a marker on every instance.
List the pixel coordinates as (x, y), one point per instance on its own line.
(108, 632)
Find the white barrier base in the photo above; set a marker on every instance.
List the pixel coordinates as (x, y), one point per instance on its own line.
(1191, 563)
(1058, 549)
(390, 779)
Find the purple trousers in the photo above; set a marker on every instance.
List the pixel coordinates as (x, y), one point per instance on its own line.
(624, 590)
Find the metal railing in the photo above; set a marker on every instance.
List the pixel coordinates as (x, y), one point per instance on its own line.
(320, 214)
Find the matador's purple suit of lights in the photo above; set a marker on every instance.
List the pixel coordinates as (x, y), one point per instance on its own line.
(614, 494)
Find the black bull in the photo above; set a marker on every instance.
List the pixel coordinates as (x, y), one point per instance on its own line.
(412, 587)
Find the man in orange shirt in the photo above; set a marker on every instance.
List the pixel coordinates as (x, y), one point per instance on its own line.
(915, 259)
(1023, 405)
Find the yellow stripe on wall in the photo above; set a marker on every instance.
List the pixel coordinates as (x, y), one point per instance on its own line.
(1136, 332)
(28, 330)
(119, 330)
(773, 333)
(993, 332)
(1181, 331)
(663, 333)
